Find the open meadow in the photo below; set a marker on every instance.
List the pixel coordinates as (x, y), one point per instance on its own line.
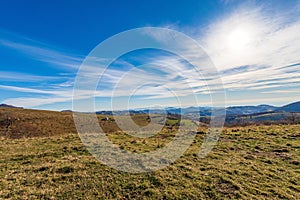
(251, 162)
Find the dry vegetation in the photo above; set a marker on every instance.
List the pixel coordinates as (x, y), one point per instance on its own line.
(23, 123)
(252, 162)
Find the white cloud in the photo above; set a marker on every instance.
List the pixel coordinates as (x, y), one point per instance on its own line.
(36, 91)
(24, 77)
(34, 102)
(272, 41)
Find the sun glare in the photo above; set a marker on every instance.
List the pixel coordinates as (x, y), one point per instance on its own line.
(238, 39)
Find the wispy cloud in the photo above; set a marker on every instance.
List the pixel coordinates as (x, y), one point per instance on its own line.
(36, 101)
(268, 57)
(24, 77)
(54, 87)
(40, 51)
(288, 90)
(35, 91)
(272, 39)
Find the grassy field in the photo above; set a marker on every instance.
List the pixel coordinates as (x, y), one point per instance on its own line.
(254, 162)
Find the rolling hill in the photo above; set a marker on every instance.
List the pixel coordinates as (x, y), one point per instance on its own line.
(292, 107)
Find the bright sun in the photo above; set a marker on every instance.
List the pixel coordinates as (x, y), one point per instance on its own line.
(238, 39)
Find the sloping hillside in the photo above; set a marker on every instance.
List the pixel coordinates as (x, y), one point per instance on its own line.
(23, 123)
(293, 107)
(26, 123)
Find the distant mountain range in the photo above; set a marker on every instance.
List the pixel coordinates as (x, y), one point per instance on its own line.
(204, 111)
(248, 110)
(235, 115)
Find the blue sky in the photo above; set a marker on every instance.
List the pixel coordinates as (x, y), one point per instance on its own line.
(255, 46)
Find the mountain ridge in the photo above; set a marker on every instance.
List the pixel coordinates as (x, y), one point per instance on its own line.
(204, 110)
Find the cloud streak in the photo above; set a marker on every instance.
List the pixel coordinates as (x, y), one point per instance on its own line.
(40, 51)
